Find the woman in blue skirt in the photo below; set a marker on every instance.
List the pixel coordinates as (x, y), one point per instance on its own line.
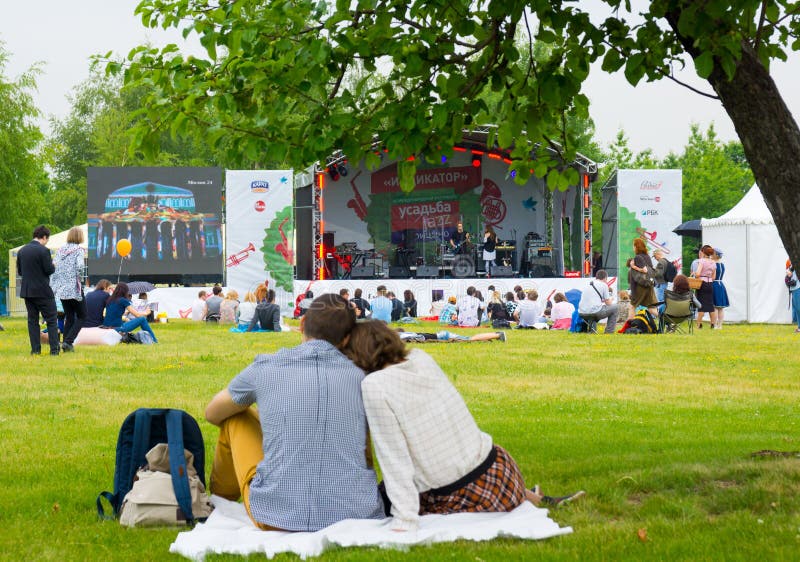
(720, 293)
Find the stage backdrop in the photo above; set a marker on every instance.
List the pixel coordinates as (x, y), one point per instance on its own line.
(368, 209)
(171, 216)
(259, 231)
(650, 206)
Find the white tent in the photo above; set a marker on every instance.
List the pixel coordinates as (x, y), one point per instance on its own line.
(754, 259)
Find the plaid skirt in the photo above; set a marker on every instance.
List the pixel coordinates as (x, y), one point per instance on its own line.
(500, 488)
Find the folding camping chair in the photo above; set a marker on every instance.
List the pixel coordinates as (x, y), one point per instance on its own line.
(678, 310)
(591, 319)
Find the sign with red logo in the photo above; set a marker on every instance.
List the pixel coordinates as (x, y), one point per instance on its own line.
(493, 210)
(260, 206)
(572, 274)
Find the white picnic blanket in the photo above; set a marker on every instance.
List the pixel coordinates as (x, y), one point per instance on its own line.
(230, 531)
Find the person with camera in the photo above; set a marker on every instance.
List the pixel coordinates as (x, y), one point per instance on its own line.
(793, 285)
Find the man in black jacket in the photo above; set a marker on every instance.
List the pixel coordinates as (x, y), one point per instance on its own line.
(35, 265)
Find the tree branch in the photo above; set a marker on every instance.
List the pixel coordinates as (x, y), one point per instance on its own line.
(761, 19)
(687, 86)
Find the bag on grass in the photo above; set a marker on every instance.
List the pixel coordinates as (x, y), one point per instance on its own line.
(127, 337)
(137, 337)
(143, 337)
(152, 501)
(642, 323)
(140, 432)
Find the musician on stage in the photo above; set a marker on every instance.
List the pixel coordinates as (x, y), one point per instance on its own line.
(460, 240)
(489, 249)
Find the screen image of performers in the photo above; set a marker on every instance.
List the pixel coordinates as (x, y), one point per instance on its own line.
(460, 240)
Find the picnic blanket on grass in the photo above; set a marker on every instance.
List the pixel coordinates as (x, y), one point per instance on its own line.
(229, 531)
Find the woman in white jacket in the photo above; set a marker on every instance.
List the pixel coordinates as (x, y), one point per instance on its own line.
(433, 456)
(67, 285)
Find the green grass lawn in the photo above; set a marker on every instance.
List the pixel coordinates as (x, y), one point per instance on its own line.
(659, 430)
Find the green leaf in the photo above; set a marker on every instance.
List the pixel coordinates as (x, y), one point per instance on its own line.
(704, 64)
(634, 69)
(546, 36)
(505, 135)
(613, 61)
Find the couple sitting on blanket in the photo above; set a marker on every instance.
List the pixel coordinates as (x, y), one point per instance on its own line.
(302, 461)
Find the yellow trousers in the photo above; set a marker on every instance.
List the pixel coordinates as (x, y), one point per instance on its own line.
(239, 450)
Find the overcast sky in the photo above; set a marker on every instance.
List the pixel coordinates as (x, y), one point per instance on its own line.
(63, 35)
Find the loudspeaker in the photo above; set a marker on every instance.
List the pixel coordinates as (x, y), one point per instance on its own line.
(427, 271)
(537, 270)
(363, 272)
(410, 239)
(399, 272)
(502, 271)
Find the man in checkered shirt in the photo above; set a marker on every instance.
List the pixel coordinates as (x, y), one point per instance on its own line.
(298, 462)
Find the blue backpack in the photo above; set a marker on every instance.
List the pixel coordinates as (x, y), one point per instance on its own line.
(140, 432)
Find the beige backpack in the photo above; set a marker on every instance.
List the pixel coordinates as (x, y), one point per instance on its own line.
(152, 502)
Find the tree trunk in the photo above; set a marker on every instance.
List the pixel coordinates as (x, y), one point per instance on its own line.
(769, 134)
(771, 141)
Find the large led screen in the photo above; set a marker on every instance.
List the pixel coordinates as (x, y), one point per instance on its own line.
(171, 216)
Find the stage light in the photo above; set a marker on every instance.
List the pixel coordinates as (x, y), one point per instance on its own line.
(476, 161)
(513, 174)
(444, 159)
(333, 172)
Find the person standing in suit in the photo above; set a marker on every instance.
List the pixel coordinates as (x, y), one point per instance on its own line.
(35, 266)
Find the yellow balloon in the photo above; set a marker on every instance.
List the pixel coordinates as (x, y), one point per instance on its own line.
(124, 247)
